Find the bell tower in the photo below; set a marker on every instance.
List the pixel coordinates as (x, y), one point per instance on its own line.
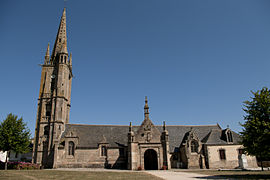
(54, 98)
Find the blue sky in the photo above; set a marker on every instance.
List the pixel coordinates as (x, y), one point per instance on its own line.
(197, 61)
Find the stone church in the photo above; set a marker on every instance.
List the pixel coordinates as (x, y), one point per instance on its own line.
(58, 143)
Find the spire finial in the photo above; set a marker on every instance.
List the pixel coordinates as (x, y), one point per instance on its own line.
(164, 126)
(48, 50)
(47, 56)
(146, 109)
(130, 127)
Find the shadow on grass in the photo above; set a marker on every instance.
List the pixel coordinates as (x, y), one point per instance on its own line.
(246, 176)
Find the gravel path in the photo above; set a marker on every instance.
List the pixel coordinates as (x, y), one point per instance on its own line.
(171, 175)
(167, 175)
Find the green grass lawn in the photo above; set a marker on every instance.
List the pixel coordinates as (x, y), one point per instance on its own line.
(233, 174)
(71, 175)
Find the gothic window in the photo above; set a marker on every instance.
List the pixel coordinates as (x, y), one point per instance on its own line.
(52, 81)
(194, 146)
(46, 130)
(103, 151)
(65, 59)
(71, 148)
(48, 109)
(222, 154)
(61, 59)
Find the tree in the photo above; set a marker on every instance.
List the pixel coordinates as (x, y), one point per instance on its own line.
(14, 136)
(256, 132)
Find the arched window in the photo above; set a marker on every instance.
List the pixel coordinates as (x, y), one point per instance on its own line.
(46, 130)
(194, 146)
(71, 148)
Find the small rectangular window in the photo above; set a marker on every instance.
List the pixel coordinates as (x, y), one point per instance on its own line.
(222, 154)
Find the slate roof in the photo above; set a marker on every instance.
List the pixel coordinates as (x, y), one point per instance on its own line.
(116, 135)
(214, 138)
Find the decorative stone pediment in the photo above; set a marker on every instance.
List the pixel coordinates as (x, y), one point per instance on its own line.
(147, 133)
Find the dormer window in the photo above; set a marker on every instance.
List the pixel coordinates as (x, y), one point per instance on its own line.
(229, 136)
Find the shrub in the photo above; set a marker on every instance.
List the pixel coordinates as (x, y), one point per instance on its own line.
(19, 165)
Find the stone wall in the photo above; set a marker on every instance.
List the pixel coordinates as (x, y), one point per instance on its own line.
(231, 153)
(91, 158)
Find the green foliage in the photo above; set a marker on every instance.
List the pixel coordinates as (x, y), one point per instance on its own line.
(256, 132)
(14, 135)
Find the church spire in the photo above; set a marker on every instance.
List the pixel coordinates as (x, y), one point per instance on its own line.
(61, 38)
(146, 109)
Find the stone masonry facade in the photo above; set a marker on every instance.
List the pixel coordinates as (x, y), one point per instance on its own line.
(58, 143)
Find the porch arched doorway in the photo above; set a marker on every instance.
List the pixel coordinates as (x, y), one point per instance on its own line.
(150, 160)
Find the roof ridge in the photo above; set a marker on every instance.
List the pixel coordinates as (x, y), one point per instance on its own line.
(139, 125)
(192, 125)
(96, 124)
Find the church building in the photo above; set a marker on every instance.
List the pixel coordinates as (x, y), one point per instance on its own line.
(59, 144)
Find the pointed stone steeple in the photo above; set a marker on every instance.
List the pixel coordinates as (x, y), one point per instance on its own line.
(54, 100)
(47, 56)
(61, 38)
